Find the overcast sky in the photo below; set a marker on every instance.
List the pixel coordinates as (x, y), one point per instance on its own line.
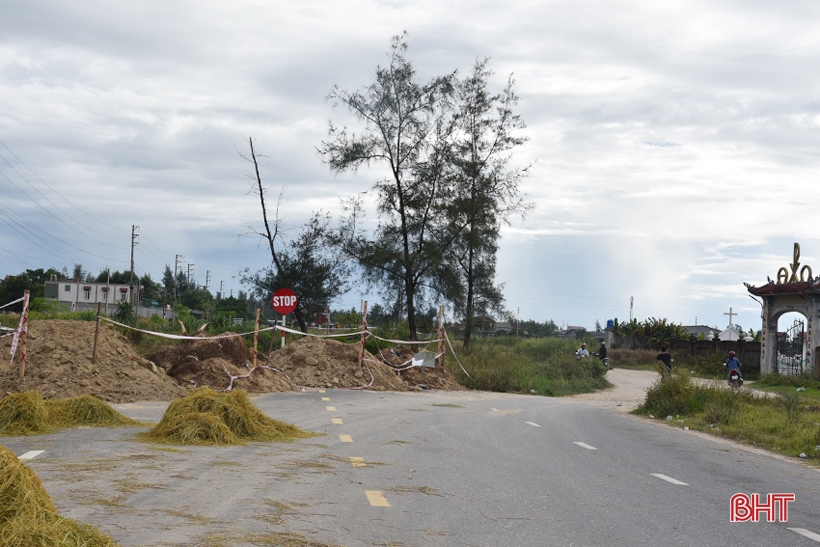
(676, 144)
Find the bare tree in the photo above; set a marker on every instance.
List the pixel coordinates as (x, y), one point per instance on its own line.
(306, 264)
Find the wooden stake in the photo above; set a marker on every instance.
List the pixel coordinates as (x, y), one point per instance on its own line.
(96, 334)
(364, 332)
(23, 334)
(440, 360)
(255, 336)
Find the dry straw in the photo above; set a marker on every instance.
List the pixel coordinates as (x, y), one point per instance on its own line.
(27, 516)
(206, 417)
(27, 413)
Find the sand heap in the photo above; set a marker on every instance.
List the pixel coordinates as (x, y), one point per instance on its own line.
(439, 377)
(59, 365)
(319, 362)
(204, 362)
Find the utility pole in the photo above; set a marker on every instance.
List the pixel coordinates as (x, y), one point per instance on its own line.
(221, 290)
(207, 278)
(134, 242)
(631, 303)
(190, 276)
(176, 269)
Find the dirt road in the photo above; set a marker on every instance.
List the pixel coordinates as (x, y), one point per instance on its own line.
(628, 391)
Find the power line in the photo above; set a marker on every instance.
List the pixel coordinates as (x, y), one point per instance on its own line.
(56, 192)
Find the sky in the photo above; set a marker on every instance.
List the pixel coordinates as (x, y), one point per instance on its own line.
(675, 146)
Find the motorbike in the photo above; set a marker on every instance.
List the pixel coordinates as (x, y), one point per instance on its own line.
(735, 379)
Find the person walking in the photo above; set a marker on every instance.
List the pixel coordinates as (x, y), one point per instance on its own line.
(666, 359)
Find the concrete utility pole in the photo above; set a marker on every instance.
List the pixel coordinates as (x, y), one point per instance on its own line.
(207, 278)
(176, 269)
(134, 242)
(221, 290)
(631, 303)
(190, 276)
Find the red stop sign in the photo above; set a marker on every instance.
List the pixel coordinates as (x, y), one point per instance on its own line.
(284, 301)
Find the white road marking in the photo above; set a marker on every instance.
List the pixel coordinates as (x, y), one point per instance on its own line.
(532, 424)
(494, 409)
(30, 455)
(585, 445)
(669, 479)
(806, 533)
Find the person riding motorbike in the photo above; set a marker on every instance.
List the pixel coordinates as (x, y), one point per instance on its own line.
(732, 363)
(582, 352)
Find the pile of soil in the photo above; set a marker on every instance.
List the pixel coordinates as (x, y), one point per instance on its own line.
(319, 362)
(58, 365)
(439, 377)
(204, 362)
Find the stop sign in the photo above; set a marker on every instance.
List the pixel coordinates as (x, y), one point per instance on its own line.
(284, 301)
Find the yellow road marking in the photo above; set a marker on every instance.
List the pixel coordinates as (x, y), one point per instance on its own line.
(322, 391)
(357, 462)
(330, 407)
(325, 398)
(376, 498)
(346, 438)
(337, 421)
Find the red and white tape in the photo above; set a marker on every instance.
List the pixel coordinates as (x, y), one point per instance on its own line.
(13, 303)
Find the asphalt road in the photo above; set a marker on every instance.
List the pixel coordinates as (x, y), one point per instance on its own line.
(465, 468)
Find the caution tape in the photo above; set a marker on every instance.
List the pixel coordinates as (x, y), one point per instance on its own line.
(292, 331)
(9, 334)
(182, 337)
(13, 303)
(447, 337)
(406, 342)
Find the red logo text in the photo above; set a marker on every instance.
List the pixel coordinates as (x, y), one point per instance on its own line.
(749, 508)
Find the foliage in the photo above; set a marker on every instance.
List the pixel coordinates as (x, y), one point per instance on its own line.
(483, 192)
(651, 333)
(13, 286)
(125, 313)
(404, 129)
(783, 424)
(547, 366)
(307, 265)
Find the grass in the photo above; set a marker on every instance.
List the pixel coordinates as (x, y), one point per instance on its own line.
(28, 517)
(786, 425)
(27, 413)
(206, 417)
(544, 366)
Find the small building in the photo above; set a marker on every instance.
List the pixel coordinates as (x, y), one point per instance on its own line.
(731, 334)
(86, 295)
(697, 330)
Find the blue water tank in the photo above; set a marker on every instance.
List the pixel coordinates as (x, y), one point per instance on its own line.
(610, 324)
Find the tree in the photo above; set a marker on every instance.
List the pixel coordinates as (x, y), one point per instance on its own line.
(485, 188)
(404, 122)
(306, 264)
(34, 281)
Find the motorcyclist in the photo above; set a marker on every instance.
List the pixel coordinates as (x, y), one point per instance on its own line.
(582, 351)
(732, 363)
(601, 351)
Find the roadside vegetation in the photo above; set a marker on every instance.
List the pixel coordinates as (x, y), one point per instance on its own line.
(788, 423)
(543, 366)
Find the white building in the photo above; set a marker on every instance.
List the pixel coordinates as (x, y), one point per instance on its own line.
(84, 295)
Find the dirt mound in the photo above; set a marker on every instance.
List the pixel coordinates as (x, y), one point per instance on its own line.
(439, 377)
(204, 363)
(59, 365)
(318, 362)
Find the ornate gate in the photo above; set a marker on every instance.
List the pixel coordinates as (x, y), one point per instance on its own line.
(790, 355)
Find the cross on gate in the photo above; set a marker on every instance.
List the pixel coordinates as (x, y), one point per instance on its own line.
(730, 314)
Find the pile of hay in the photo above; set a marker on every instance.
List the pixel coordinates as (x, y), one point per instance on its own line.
(27, 414)
(206, 417)
(27, 516)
